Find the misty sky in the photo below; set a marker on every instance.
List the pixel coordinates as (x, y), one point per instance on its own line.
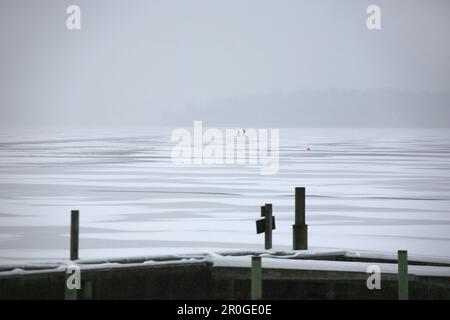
(158, 62)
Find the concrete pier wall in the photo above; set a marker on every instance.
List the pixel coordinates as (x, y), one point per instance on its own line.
(200, 280)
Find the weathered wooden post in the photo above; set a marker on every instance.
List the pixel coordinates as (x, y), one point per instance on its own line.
(69, 293)
(87, 290)
(403, 293)
(268, 227)
(74, 230)
(300, 228)
(256, 278)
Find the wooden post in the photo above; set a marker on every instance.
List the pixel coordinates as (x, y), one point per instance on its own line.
(74, 230)
(300, 194)
(403, 293)
(300, 228)
(268, 227)
(256, 278)
(87, 290)
(69, 294)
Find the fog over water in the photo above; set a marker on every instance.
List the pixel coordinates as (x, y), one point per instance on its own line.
(257, 62)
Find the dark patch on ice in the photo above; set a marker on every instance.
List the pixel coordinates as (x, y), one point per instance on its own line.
(10, 215)
(102, 243)
(169, 192)
(405, 237)
(139, 217)
(32, 237)
(138, 139)
(360, 209)
(373, 197)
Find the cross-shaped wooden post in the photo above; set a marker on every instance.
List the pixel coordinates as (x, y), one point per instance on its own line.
(266, 225)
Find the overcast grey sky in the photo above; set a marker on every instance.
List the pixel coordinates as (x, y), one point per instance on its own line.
(154, 61)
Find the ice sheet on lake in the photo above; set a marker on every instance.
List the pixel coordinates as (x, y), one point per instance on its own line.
(378, 190)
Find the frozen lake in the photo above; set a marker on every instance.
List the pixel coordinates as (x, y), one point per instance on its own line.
(367, 189)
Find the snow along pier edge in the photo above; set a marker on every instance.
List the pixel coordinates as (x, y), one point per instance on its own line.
(286, 275)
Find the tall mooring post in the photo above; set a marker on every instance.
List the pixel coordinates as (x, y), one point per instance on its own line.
(300, 228)
(74, 230)
(403, 293)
